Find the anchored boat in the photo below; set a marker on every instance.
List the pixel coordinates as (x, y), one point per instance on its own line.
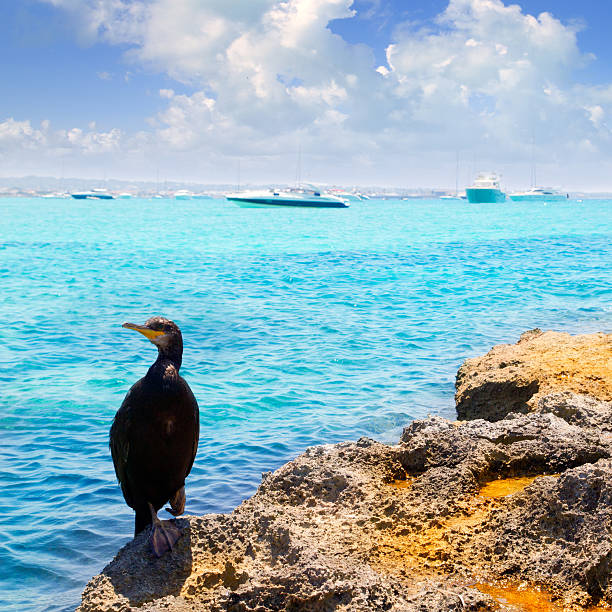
(485, 190)
(293, 197)
(539, 194)
(94, 194)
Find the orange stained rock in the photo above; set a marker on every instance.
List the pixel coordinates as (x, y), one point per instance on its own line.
(529, 599)
(506, 486)
(400, 484)
(433, 548)
(430, 549)
(442, 547)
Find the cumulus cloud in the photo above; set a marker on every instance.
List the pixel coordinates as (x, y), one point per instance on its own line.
(269, 75)
(500, 74)
(22, 135)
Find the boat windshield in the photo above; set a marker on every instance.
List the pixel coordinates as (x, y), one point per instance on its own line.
(487, 181)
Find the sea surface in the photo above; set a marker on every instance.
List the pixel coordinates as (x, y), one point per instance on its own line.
(301, 327)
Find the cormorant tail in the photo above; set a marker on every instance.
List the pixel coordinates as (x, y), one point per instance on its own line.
(177, 502)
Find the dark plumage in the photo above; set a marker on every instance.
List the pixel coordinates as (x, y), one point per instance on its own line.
(154, 436)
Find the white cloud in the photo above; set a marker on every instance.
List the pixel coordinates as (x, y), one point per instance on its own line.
(19, 136)
(269, 75)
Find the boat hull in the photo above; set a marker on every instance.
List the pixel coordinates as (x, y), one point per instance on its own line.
(259, 202)
(484, 196)
(538, 198)
(92, 196)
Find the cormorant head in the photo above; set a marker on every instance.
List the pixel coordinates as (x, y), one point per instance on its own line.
(162, 332)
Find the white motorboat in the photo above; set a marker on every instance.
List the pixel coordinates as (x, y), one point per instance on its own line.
(349, 196)
(294, 197)
(183, 194)
(539, 194)
(94, 194)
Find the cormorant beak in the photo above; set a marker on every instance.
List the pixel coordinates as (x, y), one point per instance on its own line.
(147, 332)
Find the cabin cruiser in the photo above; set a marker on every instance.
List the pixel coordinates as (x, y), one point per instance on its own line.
(539, 194)
(311, 198)
(485, 190)
(94, 194)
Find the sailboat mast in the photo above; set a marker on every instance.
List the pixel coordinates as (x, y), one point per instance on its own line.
(533, 167)
(298, 170)
(457, 175)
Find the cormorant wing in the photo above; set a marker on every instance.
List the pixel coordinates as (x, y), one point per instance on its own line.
(196, 439)
(119, 443)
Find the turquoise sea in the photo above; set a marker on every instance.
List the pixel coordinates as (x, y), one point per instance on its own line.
(301, 327)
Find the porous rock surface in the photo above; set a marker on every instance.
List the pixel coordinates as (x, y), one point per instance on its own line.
(366, 526)
(513, 377)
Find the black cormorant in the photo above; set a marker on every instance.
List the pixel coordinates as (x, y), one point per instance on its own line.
(154, 436)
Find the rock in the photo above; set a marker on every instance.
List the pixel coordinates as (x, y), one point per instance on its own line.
(304, 541)
(558, 532)
(581, 410)
(511, 513)
(513, 377)
(367, 526)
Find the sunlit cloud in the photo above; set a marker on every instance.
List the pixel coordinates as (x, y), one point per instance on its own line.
(267, 76)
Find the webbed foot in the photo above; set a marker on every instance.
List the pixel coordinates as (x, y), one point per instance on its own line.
(163, 535)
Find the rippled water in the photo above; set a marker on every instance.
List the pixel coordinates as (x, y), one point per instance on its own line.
(301, 327)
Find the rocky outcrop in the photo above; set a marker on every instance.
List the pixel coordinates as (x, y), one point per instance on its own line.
(514, 514)
(314, 537)
(514, 377)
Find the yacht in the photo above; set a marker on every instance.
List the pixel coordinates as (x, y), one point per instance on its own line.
(349, 196)
(539, 194)
(293, 197)
(452, 197)
(94, 194)
(485, 190)
(55, 196)
(183, 194)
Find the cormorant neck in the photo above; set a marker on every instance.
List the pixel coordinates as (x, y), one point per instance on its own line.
(168, 356)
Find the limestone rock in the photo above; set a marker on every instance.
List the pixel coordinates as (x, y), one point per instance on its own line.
(513, 377)
(507, 513)
(367, 526)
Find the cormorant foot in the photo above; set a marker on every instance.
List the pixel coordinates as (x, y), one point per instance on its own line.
(163, 537)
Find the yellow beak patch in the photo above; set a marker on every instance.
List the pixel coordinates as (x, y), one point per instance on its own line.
(145, 331)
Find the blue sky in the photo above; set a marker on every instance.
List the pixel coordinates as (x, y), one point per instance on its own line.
(371, 92)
